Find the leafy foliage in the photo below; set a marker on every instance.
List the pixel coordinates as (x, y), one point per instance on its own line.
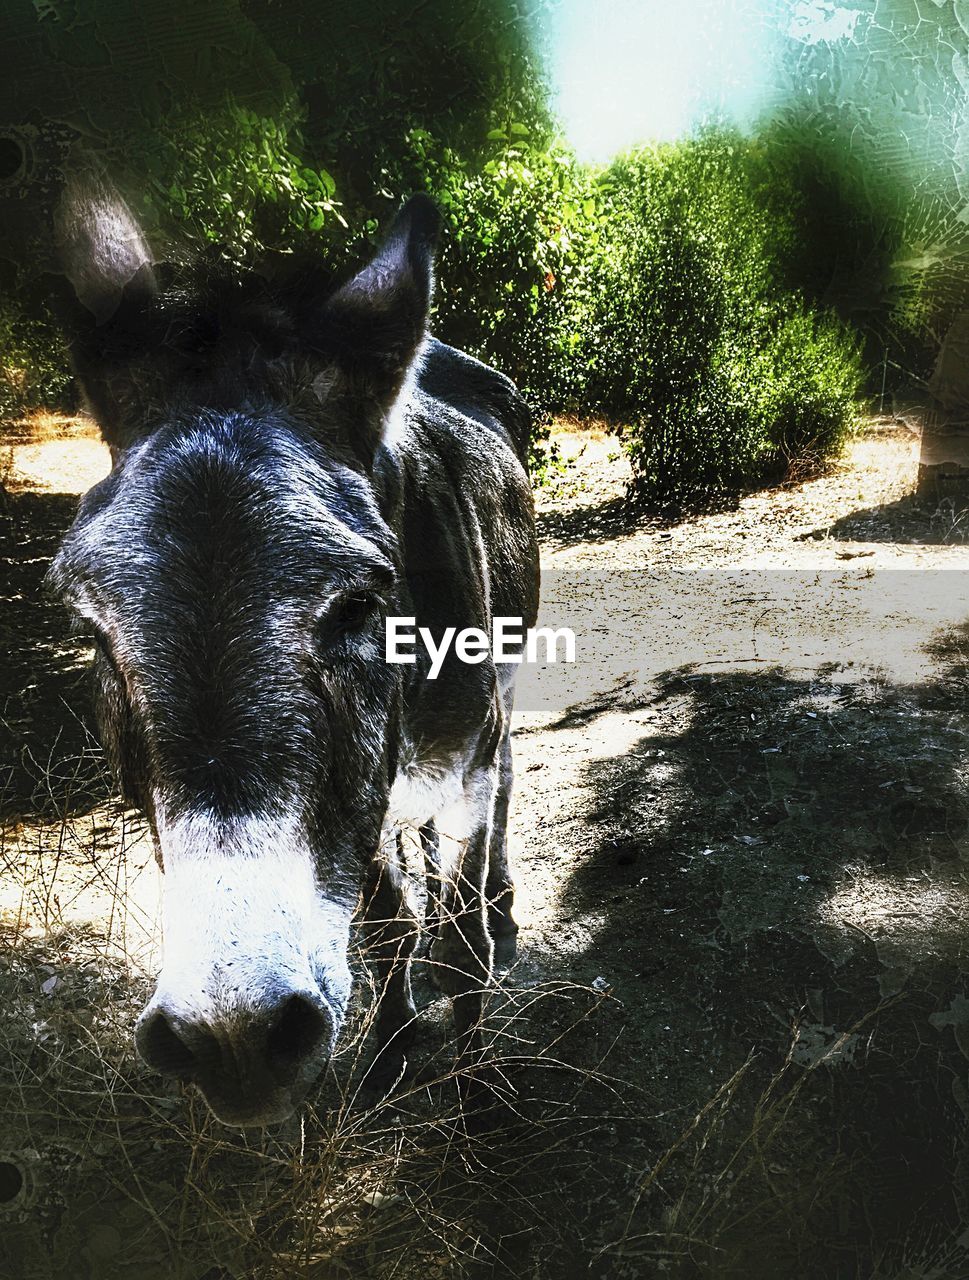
(33, 362)
(465, 73)
(720, 376)
(233, 182)
(514, 255)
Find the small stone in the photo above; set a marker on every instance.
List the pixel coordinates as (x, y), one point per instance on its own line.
(377, 1200)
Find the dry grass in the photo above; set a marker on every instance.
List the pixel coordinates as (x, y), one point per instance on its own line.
(118, 1162)
(106, 1161)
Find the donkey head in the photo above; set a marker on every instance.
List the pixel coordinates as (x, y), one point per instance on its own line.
(234, 569)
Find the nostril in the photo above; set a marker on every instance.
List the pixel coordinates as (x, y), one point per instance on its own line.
(296, 1030)
(164, 1049)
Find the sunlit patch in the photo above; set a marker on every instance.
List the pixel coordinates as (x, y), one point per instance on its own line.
(917, 909)
(93, 872)
(51, 453)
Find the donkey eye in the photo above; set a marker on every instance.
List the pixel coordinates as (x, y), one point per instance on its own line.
(355, 610)
(349, 614)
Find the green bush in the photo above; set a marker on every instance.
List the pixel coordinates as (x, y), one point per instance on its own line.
(718, 375)
(515, 263)
(809, 377)
(232, 181)
(513, 253)
(514, 256)
(34, 367)
(760, 413)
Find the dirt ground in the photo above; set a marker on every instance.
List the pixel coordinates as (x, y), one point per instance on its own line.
(736, 1040)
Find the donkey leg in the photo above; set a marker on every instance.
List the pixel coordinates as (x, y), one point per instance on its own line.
(462, 953)
(391, 931)
(500, 888)
(434, 909)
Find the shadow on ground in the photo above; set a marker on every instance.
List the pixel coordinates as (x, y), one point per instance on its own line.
(761, 1072)
(598, 522)
(916, 518)
(777, 875)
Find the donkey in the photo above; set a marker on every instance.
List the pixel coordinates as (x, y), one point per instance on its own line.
(293, 464)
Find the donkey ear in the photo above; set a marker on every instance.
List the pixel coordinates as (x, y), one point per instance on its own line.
(374, 324)
(102, 250)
